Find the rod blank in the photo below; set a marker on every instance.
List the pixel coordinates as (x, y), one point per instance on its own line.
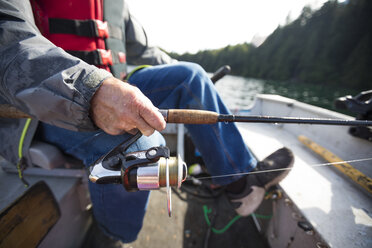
(293, 120)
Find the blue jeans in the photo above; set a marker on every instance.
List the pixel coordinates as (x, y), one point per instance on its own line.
(182, 85)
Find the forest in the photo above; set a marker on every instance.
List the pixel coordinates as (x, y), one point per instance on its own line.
(330, 46)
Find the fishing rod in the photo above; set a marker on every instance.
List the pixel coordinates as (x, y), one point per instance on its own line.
(133, 170)
(193, 116)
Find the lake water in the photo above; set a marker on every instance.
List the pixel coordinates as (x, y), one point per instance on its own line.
(240, 92)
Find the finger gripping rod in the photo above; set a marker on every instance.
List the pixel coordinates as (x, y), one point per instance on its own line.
(191, 116)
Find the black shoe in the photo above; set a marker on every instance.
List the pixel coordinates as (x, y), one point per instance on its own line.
(277, 164)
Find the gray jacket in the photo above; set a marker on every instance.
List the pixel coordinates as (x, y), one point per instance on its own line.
(45, 82)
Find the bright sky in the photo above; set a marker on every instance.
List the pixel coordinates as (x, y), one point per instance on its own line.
(193, 25)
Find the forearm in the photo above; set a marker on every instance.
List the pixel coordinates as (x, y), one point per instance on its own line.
(57, 88)
(41, 79)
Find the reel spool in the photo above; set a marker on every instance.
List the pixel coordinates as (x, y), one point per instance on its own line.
(142, 170)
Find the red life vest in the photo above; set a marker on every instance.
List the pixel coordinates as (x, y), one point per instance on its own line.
(78, 27)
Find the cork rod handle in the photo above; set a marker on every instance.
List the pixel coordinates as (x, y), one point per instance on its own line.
(192, 116)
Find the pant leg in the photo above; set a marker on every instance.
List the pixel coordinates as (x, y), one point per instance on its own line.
(186, 85)
(119, 213)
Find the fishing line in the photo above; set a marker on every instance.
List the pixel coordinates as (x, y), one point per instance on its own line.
(283, 169)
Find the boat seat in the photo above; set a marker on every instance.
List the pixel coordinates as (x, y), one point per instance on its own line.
(48, 156)
(48, 160)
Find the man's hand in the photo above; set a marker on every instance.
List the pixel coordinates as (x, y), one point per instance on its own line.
(119, 107)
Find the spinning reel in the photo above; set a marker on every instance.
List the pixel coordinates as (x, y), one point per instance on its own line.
(142, 170)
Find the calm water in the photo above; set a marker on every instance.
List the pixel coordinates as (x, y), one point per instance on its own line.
(239, 92)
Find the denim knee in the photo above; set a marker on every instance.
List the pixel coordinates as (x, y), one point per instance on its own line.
(187, 70)
(193, 76)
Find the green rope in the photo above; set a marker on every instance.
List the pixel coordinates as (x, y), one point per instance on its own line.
(207, 211)
(260, 216)
(20, 152)
(23, 135)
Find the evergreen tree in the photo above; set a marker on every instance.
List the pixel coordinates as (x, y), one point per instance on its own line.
(332, 46)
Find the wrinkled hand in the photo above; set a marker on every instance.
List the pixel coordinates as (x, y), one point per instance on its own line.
(119, 107)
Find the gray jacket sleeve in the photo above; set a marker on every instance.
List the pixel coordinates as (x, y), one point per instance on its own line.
(39, 78)
(138, 50)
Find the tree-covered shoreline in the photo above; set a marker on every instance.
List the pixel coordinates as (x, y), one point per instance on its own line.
(331, 46)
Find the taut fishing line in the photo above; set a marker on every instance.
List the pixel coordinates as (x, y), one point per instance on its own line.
(282, 169)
